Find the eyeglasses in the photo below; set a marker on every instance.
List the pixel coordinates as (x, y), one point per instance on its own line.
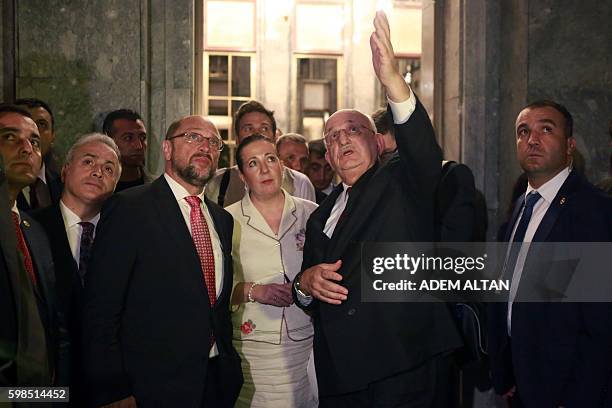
(213, 142)
(351, 131)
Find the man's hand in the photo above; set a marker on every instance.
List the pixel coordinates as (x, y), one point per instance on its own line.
(129, 402)
(318, 281)
(383, 60)
(274, 294)
(510, 393)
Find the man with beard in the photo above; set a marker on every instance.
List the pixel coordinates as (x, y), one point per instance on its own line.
(127, 129)
(156, 319)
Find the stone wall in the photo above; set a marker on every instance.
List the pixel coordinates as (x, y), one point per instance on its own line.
(570, 61)
(87, 58)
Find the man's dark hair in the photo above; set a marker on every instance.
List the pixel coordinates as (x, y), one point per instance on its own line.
(247, 141)
(32, 103)
(107, 126)
(252, 106)
(12, 108)
(383, 121)
(317, 147)
(569, 120)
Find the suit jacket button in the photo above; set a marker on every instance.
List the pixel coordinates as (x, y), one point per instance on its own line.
(351, 311)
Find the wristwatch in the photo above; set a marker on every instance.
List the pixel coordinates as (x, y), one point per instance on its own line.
(296, 285)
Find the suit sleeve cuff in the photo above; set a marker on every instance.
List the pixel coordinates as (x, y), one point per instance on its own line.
(402, 110)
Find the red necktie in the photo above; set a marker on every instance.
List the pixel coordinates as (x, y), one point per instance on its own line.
(203, 244)
(23, 248)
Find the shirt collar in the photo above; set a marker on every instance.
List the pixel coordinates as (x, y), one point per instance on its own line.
(179, 191)
(549, 190)
(16, 210)
(71, 219)
(41, 175)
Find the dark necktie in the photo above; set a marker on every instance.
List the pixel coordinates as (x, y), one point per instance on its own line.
(87, 237)
(23, 249)
(519, 235)
(203, 244)
(344, 212)
(39, 194)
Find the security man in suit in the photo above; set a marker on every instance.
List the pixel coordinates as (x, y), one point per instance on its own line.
(156, 318)
(374, 354)
(551, 354)
(42, 343)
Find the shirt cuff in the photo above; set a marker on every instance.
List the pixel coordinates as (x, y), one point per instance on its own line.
(403, 110)
(303, 299)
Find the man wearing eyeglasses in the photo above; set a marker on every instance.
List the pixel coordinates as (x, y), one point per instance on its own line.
(375, 354)
(156, 322)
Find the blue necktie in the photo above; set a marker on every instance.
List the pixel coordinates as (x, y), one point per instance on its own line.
(519, 234)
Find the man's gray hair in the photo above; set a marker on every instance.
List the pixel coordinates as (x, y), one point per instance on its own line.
(94, 138)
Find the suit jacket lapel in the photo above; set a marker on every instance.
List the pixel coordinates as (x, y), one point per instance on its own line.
(556, 207)
(357, 211)
(226, 248)
(171, 218)
(518, 204)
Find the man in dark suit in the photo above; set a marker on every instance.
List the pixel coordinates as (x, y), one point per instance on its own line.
(90, 175)
(156, 324)
(374, 354)
(128, 130)
(47, 187)
(551, 354)
(41, 353)
(9, 264)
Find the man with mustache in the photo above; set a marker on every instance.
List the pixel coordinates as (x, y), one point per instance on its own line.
(156, 318)
(551, 354)
(127, 129)
(90, 175)
(368, 353)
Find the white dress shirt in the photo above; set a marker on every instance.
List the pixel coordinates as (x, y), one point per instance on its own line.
(74, 230)
(548, 191)
(180, 193)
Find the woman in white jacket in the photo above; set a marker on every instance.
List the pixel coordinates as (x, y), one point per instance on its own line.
(272, 335)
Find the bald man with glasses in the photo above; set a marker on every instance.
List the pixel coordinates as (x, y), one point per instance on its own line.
(375, 354)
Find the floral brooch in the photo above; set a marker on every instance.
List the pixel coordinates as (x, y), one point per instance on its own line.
(247, 327)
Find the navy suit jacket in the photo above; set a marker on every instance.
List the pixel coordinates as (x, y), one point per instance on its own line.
(147, 320)
(560, 353)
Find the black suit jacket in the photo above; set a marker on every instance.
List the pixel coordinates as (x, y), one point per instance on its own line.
(68, 289)
(55, 185)
(358, 343)
(147, 321)
(9, 264)
(560, 353)
(53, 319)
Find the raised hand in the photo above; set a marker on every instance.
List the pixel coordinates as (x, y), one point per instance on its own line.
(383, 60)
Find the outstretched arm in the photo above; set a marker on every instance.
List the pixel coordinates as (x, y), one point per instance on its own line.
(383, 60)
